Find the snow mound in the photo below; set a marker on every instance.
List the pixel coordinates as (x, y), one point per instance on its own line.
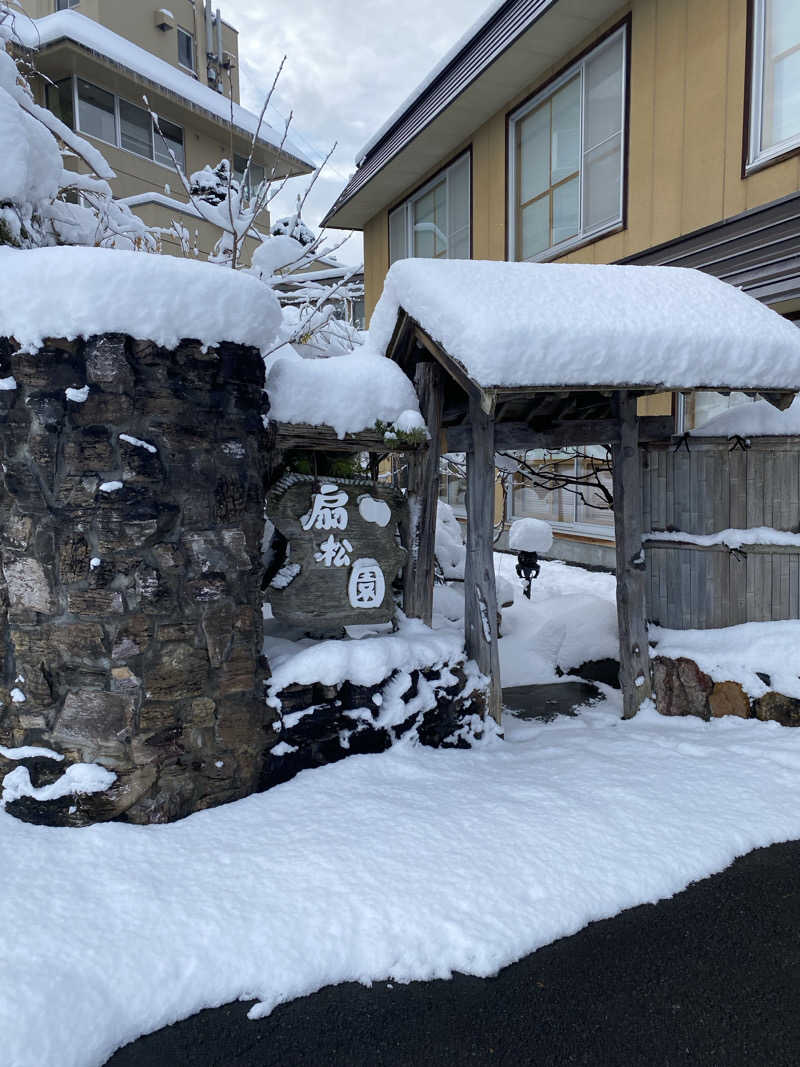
(561, 324)
(530, 535)
(364, 662)
(759, 419)
(79, 292)
(449, 547)
(350, 392)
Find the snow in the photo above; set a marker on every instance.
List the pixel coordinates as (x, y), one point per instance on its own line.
(38, 33)
(63, 292)
(570, 618)
(738, 653)
(110, 487)
(350, 392)
(449, 547)
(7, 384)
(375, 511)
(29, 752)
(492, 852)
(753, 420)
(367, 661)
(77, 778)
(17, 696)
(275, 254)
(410, 422)
(137, 442)
(77, 396)
(731, 538)
(530, 535)
(562, 324)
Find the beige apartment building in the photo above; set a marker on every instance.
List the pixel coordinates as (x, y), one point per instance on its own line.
(594, 131)
(99, 59)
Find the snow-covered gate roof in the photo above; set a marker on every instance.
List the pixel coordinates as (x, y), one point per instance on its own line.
(508, 327)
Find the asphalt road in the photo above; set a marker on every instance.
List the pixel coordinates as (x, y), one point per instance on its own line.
(711, 977)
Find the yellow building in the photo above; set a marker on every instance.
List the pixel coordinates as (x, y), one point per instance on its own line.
(655, 131)
(99, 59)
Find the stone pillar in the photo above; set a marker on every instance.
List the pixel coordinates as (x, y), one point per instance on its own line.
(131, 521)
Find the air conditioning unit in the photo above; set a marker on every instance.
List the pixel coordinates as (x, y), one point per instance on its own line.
(164, 19)
(228, 60)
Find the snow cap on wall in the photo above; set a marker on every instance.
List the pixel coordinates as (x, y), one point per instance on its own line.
(79, 292)
(566, 324)
(349, 392)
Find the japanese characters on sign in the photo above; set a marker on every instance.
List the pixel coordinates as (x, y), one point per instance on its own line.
(343, 551)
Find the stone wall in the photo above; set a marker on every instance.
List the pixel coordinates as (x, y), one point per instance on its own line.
(131, 520)
(682, 688)
(442, 707)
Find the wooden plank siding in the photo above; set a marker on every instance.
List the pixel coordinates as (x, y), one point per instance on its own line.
(710, 488)
(687, 100)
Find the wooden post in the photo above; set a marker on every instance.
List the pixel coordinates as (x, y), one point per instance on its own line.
(423, 493)
(480, 598)
(634, 654)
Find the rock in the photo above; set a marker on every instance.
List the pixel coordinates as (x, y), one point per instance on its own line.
(681, 688)
(28, 586)
(179, 671)
(218, 630)
(728, 698)
(92, 716)
(777, 707)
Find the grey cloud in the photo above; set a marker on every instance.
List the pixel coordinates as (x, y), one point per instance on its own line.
(349, 65)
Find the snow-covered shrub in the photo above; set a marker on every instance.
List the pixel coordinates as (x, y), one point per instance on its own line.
(449, 547)
(42, 203)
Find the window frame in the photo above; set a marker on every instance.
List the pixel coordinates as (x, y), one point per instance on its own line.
(543, 95)
(756, 158)
(421, 191)
(117, 142)
(65, 5)
(187, 33)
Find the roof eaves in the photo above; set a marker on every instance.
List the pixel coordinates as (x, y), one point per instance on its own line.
(487, 44)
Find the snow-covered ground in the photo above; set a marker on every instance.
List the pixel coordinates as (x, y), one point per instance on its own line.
(408, 865)
(570, 618)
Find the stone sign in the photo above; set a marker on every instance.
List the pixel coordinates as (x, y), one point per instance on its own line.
(343, 551)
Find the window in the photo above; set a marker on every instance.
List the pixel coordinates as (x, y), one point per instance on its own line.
(563, 505)
(775, 98)
(173, 135)
(186, 49)
(566, 147)
(116, 121)
(62, 5)
(434, 223)
(60, 101)
(255, 177)
(96, 112)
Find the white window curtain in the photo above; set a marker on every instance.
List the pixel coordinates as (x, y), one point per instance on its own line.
(775, 121)
(434, 223)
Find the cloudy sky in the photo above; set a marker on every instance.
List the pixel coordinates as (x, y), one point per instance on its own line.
(349, 64)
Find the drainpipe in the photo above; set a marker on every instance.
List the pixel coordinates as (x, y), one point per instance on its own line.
(219, 39)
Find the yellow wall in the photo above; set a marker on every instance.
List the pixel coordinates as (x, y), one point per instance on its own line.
(685, 139)
(134, 20)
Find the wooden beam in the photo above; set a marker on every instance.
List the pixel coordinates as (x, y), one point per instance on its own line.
(480, 598)
(570, 432)
(423, 493)
(634, 652)
(324, 439)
